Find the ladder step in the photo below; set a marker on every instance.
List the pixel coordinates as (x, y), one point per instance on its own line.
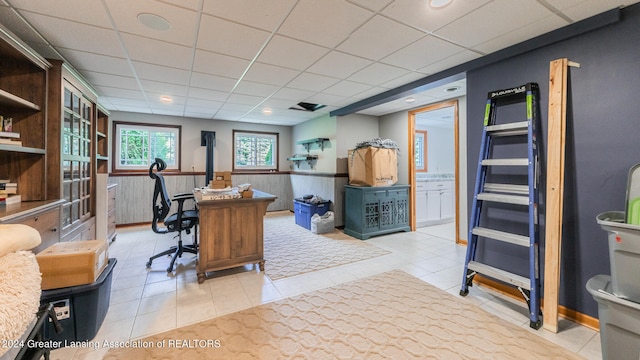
(506, 162)
(507, 199)
(511, 278)
(507, 188)
(502, 236)
(516, 128)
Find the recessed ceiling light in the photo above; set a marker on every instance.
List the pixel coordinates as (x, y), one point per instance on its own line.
(166, 99)
(410, 99)
(452, 89)
(267, 111)
(437, 4)
(154, 22)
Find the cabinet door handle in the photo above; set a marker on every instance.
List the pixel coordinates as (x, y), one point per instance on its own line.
(35, 218)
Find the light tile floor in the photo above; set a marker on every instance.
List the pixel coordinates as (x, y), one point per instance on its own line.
(146, 302)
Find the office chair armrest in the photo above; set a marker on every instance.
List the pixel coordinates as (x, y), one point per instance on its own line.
(182, 197)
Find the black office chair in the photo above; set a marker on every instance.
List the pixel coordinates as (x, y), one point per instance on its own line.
(183, 220)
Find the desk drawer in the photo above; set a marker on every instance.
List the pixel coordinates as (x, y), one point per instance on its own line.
(47, 223)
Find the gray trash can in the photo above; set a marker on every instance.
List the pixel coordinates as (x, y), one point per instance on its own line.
(624, 254)
(619, 321)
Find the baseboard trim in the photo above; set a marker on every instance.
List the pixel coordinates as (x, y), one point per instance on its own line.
(570, 314)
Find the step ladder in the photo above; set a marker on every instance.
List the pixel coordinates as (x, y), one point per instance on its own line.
(521, 197)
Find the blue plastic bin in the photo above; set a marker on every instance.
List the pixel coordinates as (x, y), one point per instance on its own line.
(304, 211)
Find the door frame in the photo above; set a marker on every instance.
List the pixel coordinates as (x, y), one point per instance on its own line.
(412, 166)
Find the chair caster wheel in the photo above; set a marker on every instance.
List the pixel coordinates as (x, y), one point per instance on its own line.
(148, 264)
(464, 292)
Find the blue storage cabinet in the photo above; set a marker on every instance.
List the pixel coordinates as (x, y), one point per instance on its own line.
(375, 210)
(304, 211)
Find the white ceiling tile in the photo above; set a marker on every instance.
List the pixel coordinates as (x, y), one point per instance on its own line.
(378, 38)
(417, 13)
(377, 74)
(296, 95)
(245, 99)
(257, 89)
(299, 55)
(217, 64)
(167, 74)
(212, 82)
(329, 100)
(339, 65)
(155, 101)
(121, 93)
(326, 22)
(425, 51)
(373, 5)
(312, 82)
(101, 79)
(81, 11)
(402, 80)
(263, 14)
(226, 37)
(120, 101)
(489, 21)
(168, 111)
(269, 74)
(187, 4)
(585, 9)
(451, 61)
(346, 88)
(182, 22)
(529, 31)
(83, 60)
(78, 36)
(163, 88)
(203, 104)
(157, 52)
(206, 94)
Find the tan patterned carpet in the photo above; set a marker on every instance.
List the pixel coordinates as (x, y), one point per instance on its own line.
(290, 249)
(387, 316)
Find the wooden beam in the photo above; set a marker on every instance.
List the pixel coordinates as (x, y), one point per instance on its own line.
(556, 135)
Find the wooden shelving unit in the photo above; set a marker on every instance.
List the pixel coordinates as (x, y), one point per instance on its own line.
(23, 98)
(102, 141)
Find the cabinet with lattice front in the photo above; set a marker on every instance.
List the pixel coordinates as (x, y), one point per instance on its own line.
(376, 210)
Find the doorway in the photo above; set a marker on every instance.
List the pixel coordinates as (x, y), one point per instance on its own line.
(433, 143)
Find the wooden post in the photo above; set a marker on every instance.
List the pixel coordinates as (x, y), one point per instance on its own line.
(556, 136)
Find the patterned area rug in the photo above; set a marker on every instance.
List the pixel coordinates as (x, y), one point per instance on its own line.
(290, 249)
(387, 316)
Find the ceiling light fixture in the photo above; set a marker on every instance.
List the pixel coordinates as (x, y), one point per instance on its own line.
(452, 89)
(166, 99)
(409, 100)
(154, 22)
(438, 4)
(267, 111)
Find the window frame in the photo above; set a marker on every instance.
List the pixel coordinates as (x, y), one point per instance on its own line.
(250, 169)
(117, 125)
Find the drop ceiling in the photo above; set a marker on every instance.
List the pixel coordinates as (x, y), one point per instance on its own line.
(231, 60)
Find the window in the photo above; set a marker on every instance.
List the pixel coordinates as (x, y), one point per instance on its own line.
(137, 145)
(255, 151)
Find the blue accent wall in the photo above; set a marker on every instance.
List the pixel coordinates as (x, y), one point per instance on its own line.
(603, 142)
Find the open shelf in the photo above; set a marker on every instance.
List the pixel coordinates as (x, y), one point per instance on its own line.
(307, 143)
(308, 158)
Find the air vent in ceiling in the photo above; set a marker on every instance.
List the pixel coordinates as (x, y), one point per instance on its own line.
(305, 106)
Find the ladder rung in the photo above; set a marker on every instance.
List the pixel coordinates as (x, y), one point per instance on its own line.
(500, 274)
(502, 236)
(508, 199)
(516, 128)
(506, 162)
(507, 188)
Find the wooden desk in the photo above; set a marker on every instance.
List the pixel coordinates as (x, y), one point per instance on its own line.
(231, 232)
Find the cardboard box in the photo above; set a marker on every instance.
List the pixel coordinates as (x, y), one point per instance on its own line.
(372, 166)
(72, 263)
(218, 175)
(217, 184)
(227, 175)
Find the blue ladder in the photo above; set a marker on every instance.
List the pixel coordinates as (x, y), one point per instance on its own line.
(487, 194)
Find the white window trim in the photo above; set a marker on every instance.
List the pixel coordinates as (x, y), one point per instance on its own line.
(156, 128)
(275, 138)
